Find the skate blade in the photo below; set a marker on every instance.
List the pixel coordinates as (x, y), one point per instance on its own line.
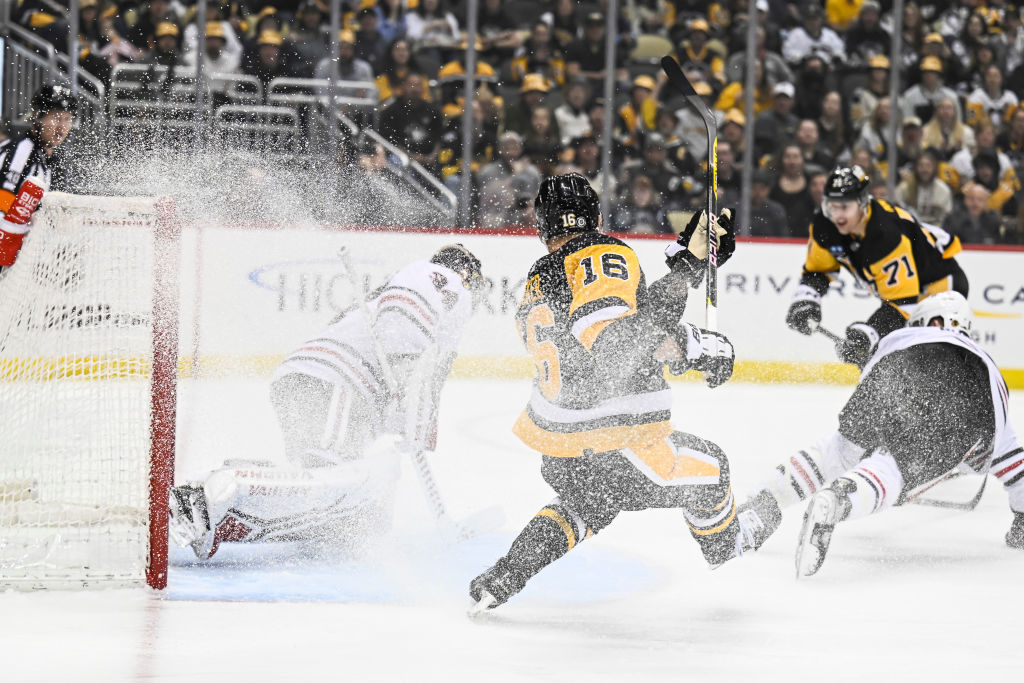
(810, 556)
(485, 603)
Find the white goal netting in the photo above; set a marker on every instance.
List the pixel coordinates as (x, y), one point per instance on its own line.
(88, 353)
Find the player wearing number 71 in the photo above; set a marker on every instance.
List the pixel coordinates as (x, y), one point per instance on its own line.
(883, 246)
(599, 409)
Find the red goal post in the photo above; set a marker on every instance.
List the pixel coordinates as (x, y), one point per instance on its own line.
(88, 385)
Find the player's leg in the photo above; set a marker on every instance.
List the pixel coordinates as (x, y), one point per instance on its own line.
(1008, 467)
(809, 470)
(591, 491)
(876, 483)
(246, 501)
(323, 423)
(797, 478)
(329, 491)
(692, 474)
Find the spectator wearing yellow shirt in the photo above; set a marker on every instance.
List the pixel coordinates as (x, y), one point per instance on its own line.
(842, 13)
(638, 115)
(731, 96)
(698, 52)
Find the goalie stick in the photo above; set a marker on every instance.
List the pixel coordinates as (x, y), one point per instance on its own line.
(455, 530)
(679, 82)
(916, 499)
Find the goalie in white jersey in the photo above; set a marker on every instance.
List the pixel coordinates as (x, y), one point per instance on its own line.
(344, 400)
(930, 404)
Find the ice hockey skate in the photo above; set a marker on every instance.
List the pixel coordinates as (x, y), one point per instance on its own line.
(823, 512)
(759, 518)
(1015, 536)
(189, 523)
(494, 587)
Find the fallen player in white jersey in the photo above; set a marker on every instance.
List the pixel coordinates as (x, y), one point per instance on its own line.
(930, 405)
(347, 401)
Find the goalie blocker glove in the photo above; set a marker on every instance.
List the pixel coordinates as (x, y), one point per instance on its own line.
(709, 352)
(859, 345)
(689, 252)
(805, 311)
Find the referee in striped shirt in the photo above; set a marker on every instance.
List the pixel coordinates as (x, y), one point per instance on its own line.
(25, 166)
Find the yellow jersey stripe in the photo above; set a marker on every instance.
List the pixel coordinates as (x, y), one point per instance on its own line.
(573, 445)
(562, 522)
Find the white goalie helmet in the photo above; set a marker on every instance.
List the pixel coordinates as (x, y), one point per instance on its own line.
(949, 308)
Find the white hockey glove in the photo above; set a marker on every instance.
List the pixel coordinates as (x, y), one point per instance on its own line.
(805, 311)
(709, 352)
(689, 252)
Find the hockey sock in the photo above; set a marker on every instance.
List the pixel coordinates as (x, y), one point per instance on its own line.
(553, 531)
(715, 529)
(873, 485)
(1009, 470)
(808, 471)
(800, 477)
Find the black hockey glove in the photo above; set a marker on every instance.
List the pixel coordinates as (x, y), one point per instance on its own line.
(689, 252)
(805, 311)
(709, 352)
(859, 345)
(1015, 536)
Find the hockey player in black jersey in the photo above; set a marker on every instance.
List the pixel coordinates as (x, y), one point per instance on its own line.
(900, 259)
(25, 166)
(930, 403)
(599, 410)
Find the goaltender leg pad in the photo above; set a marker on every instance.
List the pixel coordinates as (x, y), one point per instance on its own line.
(251, 502)
(322, 423)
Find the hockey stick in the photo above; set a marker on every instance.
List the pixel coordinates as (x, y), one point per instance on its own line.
(410, 445)
(679, 82)
(965, 506)
(835, 338)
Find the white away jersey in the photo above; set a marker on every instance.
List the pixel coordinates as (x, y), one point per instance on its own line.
(1006, 458)
(421, 311)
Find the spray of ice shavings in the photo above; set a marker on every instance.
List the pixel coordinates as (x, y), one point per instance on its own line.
(239, 187)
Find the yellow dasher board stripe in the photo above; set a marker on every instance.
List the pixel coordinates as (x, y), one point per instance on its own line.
(994, 314)
(465, 367)
(44, 369)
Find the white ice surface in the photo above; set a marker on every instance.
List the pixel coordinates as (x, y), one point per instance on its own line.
(916, 594)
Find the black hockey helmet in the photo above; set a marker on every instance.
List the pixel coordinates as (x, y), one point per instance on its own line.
(566, 204)
(846, 183)
(54, 98)
(463, 262)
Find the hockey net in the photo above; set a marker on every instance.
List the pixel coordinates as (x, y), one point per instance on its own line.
(88, 361)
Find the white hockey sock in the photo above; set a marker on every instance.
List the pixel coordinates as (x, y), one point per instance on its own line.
(809, 470)
(877, 482)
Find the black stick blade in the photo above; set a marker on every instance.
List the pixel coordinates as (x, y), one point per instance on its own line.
(676, 77)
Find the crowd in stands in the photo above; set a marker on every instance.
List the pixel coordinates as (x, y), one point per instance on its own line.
(821, 80)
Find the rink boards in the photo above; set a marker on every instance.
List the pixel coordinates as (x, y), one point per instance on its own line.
(249, 295)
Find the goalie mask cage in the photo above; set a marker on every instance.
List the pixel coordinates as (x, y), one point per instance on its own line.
(88, 368)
